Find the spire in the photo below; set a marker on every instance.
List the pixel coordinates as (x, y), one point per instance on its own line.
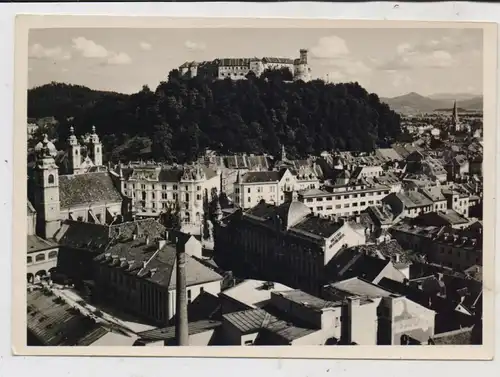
(72, 140)
(283, 153)
(94, 138)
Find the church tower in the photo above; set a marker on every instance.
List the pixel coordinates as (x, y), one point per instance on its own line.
(455, 121)
(95, 148)
(47, 202)
(74, 152)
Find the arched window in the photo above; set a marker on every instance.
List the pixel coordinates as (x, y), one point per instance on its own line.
(76, 152)
(30, 259)
(51, 178)
(187, 218)
(53, 254)
(40, 257)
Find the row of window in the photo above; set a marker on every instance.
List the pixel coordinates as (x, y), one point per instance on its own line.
(164, 196)
(347, 205)
(154, 187)
(339, 197)
(41, 257)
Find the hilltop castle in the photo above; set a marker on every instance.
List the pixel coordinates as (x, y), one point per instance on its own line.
(238, 68)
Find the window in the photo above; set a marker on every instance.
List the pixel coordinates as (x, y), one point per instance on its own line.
(153, 196)
(362, 203)
(248, 342)
(143, 187)
(51, 178)
(346, 196)
(237, 190)
(338, 206)
(175, 187)
(163, 187)
(329, 198)
(187, 197)
(309, 200)
(319, 199)
(354, 204)
(30, 260)
(174, 195)
(249, 199)
(189, 295)
(370, 201)
(346, 205)
(198, 197)
(187, 188)
(198, 188)
(40, 257)
(202, 290)
(319, 208)
(329, 207)
(362, 195)
(248, 190)
(153, 187)
(164, 195)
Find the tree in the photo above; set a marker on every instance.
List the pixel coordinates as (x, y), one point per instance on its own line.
(171, 218)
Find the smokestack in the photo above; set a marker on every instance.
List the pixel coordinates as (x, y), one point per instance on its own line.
(181, 325)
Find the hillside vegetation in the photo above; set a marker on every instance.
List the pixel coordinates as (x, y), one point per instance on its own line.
(182, 118)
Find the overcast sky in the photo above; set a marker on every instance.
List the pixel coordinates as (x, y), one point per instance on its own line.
(389, 62)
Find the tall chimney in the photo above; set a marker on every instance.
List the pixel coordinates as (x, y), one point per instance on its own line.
(181, 325)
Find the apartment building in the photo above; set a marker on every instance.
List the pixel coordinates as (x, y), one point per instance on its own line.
(270, 186)
(153, 187)
(455, 248)
(343, 200)
(408, 204)
(285, 244)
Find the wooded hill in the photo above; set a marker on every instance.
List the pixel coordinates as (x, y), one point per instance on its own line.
(184, 117)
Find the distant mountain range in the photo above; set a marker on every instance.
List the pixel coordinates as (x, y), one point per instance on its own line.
(414, 103)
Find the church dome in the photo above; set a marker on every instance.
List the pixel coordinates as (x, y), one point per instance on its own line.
(52, 148)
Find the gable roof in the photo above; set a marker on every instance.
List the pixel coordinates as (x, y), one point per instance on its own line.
(83, 189)
(156, 264)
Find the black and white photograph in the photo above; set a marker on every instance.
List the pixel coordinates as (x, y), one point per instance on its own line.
(255, 186)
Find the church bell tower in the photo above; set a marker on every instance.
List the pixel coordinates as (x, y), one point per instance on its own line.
(47, 202)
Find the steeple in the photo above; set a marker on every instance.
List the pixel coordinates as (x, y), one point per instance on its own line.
(283, 153)
(46, 201)
(74, 152)
(95, 148)
(455, 120)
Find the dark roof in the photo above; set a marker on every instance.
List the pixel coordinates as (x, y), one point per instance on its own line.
(390, 249)
(157, 265)
(83, 235)
(234, 62)
(317, 226)
(205, 306)
(168, 333)
(55, 324)
(83, 189)
(277, 60)
(36, 243)
(349, 263)
(456, 337)
(95, 237)
(261, 176)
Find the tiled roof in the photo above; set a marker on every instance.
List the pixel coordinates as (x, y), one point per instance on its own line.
(157, 265)
(258, 320)
(261, 176)
(36, 243)
(83, 235)
(277, 60)
(168, 333)
(360, 287)
(349, 263)
(234, 62)
(142, 228)
(317, 226)
(390, 249)
(55, 324)
(84, 189)
(456, 337)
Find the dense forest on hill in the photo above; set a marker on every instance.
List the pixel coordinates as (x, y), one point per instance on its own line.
(184, 117)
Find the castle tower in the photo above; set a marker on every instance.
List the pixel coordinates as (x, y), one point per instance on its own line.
(95, 148)
(301, 67)
(46, 201)
(74, 152)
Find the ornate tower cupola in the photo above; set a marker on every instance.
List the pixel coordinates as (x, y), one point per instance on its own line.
(95, 148)
(74, 152)
(46, 201)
